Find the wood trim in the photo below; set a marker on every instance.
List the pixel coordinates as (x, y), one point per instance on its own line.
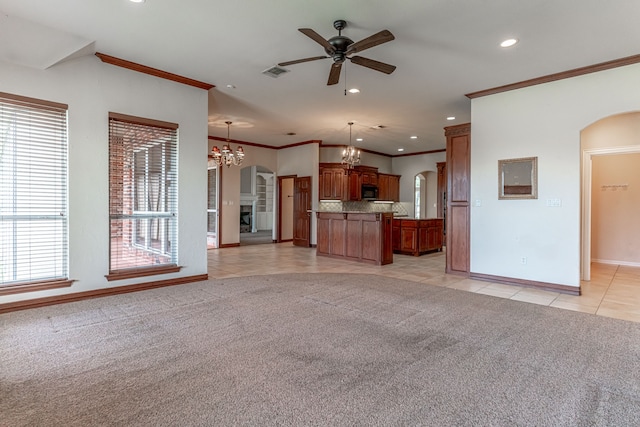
(364, 150)
(255, 144)
(297, 144)
(602, 66)
(565, 289)
(19, 288)
(78, 296)
(229, 245)
(457, 130)
(142, 272)
(152, 71)
(441, 150)
(142, 121)
(317, 141)
(21, 100)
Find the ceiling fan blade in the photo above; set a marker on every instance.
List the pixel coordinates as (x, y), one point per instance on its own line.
(334, 74)
(298, 61)
(317, 38)
(371, 41)
(374, 65)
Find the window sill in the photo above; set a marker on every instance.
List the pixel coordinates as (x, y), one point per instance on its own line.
(142, 272)
(18, 288)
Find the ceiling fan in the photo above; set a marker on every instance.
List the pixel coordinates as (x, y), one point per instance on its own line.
(340, 47)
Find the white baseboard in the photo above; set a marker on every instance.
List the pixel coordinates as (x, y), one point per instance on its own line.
(609, 261)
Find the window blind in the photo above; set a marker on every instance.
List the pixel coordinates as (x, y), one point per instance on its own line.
(143, 191)
(33, 190)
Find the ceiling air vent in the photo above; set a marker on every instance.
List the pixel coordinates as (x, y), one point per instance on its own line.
(275, 71)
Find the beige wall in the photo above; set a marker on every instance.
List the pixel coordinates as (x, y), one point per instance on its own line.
(615, 204)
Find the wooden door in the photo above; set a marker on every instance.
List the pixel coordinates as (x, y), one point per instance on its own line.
(301, 214)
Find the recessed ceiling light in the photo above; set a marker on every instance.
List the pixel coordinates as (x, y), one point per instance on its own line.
(136, 1)
(290, 133)
(400, 149)
(413, 137)
(359, 139)
(508, 42)
(451, 118)
(354, 90)
(231, 86)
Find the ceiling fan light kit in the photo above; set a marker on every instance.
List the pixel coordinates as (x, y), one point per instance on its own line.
(340, 48)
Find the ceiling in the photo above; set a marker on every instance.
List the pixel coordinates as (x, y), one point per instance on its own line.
(443, 49)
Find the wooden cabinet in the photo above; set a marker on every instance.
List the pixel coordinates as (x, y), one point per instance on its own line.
(337, 182)
(417, 236)
(368, 175)
(354, 186)
(458, 198)
(388, 187)
(333, 182)
(358, 236)
(441, 204)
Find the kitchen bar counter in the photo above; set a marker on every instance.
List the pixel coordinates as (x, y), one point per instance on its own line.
(356, 236)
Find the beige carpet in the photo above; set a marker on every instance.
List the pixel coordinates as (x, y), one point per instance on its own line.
(321, 349)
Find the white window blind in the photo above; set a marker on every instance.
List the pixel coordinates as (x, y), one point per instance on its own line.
(143, 193)
(33, 191)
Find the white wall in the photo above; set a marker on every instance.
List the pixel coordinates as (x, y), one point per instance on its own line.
(92, 89)
(409, 166)
(543, 121)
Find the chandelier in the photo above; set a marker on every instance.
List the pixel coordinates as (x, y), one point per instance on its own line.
(226, 156)
(350, 155)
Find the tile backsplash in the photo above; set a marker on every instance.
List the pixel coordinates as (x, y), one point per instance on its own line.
(399, 208)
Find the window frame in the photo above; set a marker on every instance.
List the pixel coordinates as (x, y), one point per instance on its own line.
(167, 198)
(45, 129)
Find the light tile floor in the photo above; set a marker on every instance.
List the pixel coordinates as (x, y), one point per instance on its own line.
(614, 291)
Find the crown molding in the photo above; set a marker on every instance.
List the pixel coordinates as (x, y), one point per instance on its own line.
(152, 71)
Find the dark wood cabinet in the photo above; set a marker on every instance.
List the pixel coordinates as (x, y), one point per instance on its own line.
(458, 198)
(368, 174)
(417, 236)
(354, 186)
(441, 204)
(337, 182)
(362, 237)
(333, 182)
(388, 187)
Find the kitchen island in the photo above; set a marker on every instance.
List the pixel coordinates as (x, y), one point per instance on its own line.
(417, 236)
(356, 236)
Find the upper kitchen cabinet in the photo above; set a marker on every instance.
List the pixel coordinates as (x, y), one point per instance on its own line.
(389, 187)
(333, 181)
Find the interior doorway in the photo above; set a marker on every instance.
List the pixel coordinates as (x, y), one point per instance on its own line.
(285, 208)
(257, 199)
(614, 135)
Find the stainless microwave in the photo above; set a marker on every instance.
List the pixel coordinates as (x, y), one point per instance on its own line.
(369, 192)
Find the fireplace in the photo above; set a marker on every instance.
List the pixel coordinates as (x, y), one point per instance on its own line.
(246, 218)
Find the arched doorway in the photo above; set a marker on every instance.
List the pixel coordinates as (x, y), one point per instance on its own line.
(425, 194)
(611, 136)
